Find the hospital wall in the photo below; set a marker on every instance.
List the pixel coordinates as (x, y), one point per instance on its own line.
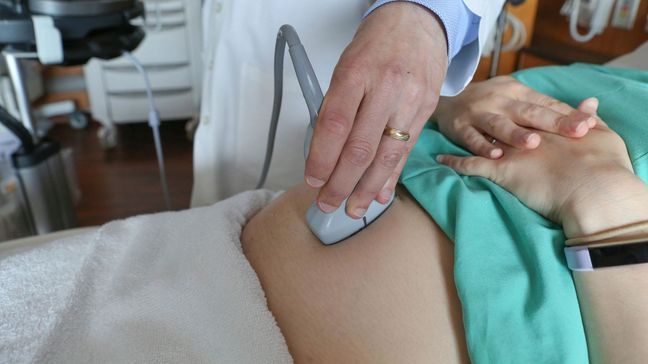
(527, 13)
(552, 37)
(549, 41)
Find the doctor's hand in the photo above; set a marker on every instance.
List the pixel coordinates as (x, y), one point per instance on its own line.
(509, 112)
(389, 75)
(586, 184)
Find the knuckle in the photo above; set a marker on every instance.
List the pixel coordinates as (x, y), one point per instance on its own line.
(530, 111)
(518, 136)
(474, 142)
(452, 163)
(456, 125)
(333, 195)
(481, 148)
(557, 123)
(493, 122)
(497, 99)
(390, 159)
(516, 87)
(473, 139)
(550, 102)
(366, 194)
(473, 108)
(335, 123)
(415, 91)
(358, 152)
(394, 68)
(318, 167)
(351, 73)
(393, 72)
(490, 94)
(464, 164)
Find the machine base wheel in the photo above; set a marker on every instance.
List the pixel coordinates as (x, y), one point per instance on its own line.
(79, 120)
(107, 137)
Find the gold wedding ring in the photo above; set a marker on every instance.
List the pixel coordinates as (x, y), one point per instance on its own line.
(403, 136)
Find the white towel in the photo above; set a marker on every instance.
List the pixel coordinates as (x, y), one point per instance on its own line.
(170, 287)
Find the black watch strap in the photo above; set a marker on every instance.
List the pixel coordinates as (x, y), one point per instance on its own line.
(587, 258)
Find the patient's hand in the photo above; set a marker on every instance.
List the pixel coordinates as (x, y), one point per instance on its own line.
(586, 184)
(508, 111)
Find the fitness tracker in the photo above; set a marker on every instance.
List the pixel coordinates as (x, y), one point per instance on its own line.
(584, 258)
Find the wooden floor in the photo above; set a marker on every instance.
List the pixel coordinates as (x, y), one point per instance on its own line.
(124, 181)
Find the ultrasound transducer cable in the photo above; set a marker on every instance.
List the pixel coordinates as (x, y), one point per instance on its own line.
(307, 81)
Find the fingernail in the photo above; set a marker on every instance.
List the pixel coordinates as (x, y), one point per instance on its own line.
(385, 195)
(314, 182)
(594, 102)
(496, 153)
(359, 212)
(532, 139)
(579, 127)
(326, 207)
(589, 106)
(591, 122)
(439, 158)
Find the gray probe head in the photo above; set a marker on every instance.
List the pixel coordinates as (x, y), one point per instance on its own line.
(336, 226)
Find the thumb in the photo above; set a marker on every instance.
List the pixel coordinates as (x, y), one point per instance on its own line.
(469, 166)
(590, 106)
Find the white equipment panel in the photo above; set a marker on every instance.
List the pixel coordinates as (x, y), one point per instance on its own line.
(171, 55)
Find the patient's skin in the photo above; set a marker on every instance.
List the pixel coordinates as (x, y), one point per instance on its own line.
(385, 295)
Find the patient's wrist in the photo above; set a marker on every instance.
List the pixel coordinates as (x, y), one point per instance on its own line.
(610, 199)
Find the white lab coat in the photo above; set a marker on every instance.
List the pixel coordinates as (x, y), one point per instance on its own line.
(463, 65)
(239, 39)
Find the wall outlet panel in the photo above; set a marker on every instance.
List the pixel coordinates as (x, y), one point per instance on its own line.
(625, 14)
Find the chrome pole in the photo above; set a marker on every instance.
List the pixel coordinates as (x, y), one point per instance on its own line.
(16, 73)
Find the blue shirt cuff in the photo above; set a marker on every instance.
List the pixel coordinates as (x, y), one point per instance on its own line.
(461, 24)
